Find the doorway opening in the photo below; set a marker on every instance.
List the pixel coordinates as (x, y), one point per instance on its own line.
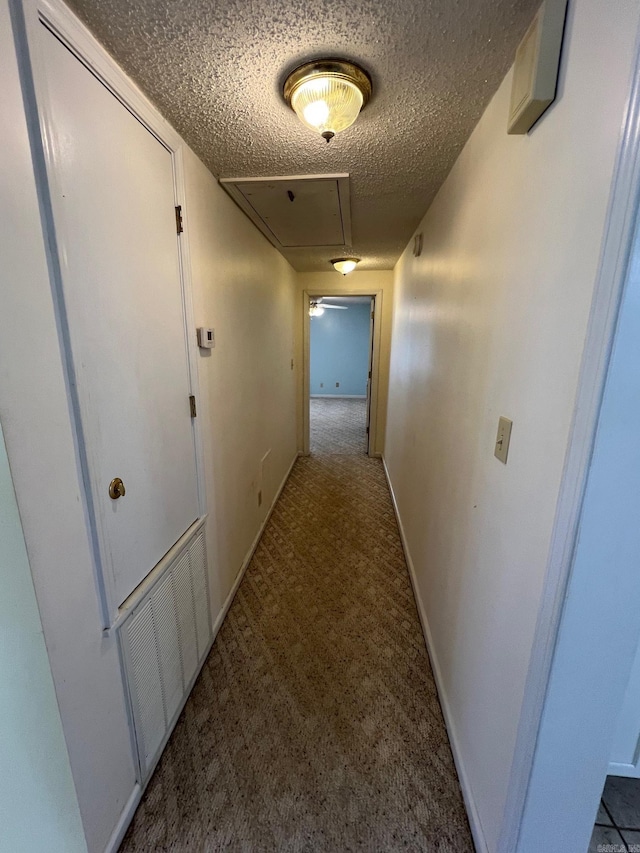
(341, 349)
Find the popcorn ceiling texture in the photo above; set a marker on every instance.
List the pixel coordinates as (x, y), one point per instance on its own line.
(215, 71)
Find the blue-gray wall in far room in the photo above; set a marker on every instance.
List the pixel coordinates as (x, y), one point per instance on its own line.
(340, 351)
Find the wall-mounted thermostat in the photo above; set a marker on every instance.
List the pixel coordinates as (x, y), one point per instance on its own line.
(206, 338)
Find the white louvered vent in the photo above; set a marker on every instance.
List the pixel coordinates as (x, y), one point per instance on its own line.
(198, 561)
(165, 622)
(183, 587)
(163, 641)
(144, 682)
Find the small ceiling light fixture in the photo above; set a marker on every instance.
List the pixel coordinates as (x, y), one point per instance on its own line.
(345, 265)
(327, 94)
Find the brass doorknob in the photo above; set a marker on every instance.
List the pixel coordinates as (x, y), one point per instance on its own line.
(117, 489)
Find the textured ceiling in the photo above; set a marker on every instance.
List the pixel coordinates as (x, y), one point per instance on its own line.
(215, 71)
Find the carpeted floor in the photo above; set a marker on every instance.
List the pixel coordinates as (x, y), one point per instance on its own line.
(337, 426)
(315, 724)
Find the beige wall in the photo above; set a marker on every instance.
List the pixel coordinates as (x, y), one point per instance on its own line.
(491, 321)
(332, 283)
(247, 291)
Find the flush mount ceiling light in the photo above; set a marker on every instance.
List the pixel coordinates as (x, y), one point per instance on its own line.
(345, 265)
(327, 94)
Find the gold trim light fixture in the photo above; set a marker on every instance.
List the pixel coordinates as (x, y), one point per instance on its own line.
(345, 265)
(327, 94)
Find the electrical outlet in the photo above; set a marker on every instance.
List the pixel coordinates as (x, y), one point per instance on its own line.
(502, 439)
(337, 384)
(322, 384)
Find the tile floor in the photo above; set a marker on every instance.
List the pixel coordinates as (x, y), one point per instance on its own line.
(617, 828)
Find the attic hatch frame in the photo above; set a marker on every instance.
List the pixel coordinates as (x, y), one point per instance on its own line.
(233, 187)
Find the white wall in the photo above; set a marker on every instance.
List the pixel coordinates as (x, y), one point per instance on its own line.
(247, 291)
(38, 802)
(491, 321)
(244, 288)
(358, 282)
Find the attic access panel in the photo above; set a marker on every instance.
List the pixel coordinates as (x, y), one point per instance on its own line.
(296, 211)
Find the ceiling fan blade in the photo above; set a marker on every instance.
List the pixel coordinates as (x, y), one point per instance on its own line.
(337, 307)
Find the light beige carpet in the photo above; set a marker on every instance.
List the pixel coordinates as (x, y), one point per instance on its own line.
(337, 426)
(315, 724)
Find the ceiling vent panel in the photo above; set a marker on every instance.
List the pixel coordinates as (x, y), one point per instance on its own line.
(296, 212)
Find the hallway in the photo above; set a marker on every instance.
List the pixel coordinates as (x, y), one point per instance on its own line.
(315, 723)
(215, 601)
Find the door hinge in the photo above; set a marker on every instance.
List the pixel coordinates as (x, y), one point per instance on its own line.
(369, 374)
(367, 430)
(179, 228)
(192, 406)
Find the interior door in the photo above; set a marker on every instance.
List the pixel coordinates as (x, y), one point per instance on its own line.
(114, 208)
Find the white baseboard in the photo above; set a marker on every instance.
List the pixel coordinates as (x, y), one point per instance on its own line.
(338, 396)
(136, 795)
(125, 819)
(472, 812)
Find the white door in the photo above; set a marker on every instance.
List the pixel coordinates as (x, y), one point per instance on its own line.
(114, 206)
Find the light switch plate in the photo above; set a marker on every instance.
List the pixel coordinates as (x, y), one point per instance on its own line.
(502, 439)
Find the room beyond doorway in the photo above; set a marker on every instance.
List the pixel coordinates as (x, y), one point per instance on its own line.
(339, 376)
(338, 426)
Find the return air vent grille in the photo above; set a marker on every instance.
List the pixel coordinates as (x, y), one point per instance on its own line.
(145, 682)
(297, 212)
(163, 641)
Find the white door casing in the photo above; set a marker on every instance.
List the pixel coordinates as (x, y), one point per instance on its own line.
(113, 197)
(372, 310)
(625, 755)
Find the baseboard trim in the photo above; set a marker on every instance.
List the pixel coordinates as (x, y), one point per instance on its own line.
(136, 795)
(338, 396)
(467, 794)
(125, 819)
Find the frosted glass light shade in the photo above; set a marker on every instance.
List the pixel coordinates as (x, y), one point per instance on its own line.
(327, 95)
(327, 104)
(345, 265)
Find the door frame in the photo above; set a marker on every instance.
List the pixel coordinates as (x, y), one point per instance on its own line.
(376, 297)
(56, 17)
